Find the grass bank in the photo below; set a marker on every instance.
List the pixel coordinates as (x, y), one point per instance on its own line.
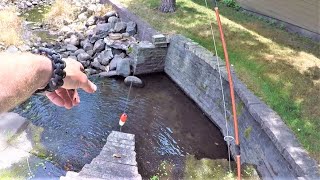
(279, 67)
(10, 27)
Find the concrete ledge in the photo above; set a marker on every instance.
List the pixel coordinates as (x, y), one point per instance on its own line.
(265, 139)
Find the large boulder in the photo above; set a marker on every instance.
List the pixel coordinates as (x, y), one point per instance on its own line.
(123, 67)
(136, 82)
(99, 46)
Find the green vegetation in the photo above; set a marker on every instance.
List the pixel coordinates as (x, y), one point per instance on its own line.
(215, 169)
(247, 132)
(279, 67)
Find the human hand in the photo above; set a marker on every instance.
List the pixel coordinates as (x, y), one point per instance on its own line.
(67, 96)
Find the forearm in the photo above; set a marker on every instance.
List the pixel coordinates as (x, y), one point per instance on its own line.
(20, 76)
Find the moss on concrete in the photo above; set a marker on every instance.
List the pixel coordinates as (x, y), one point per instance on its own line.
(215, 169)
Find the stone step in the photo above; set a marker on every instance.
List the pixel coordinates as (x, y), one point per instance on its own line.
(109, 170)
(125, 146)
(123, 156)
(121, 138)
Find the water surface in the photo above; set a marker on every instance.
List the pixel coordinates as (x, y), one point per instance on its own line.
(167, 124)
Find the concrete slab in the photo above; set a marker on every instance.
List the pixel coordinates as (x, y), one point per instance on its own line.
(10, 125)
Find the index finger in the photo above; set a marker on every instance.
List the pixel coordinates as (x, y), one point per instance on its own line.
(87, 85)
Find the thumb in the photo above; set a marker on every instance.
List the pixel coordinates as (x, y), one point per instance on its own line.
(88, 87)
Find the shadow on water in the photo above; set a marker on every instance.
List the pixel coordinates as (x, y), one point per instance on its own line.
(167, 124)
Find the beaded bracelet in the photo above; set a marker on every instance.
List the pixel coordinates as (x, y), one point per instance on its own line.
(58, 66)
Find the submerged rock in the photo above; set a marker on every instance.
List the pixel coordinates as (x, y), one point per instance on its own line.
(136, 82)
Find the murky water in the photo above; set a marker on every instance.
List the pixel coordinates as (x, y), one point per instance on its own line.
(167, 124)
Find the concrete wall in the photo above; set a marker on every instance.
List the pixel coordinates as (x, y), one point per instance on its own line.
(302, 16)
(265, 140)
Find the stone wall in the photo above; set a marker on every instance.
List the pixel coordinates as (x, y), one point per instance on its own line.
(149, 58)
(265, 140)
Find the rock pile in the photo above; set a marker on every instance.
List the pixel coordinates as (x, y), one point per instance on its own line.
(103, 47)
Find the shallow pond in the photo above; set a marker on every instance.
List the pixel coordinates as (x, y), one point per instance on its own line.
(167, 124)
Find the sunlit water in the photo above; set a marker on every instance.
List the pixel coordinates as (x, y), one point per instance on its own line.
(167, 125)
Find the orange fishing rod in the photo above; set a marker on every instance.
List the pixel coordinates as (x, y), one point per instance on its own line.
(233, 101)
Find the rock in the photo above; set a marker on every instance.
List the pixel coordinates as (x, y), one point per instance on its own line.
(71, 47)
(89, 32)
(87, 46)
(67, 41)
(116, 51)
(90, 71)
(92, 8)
(83, 57)
(123, 67)
(34, 3)
(83, 16)
(115, 36)
(102, 30)
(108, 74)
(136, 82)
(12, 49)
(105, 56)
(112, 20)
(114, 62)
(99, 46)
(67, 21)
(97, 65)
(122, 55)
(90, 52)
(125, 35)
(120, 27)
(79, 51)
(28, 3)
(91, 21)
(24, 48)
(85, 63)
(73, 57)
(131, 28)
(74, 40)
(66, 29)
(110, 14)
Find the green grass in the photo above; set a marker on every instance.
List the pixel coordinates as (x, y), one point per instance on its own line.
(279, 67)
